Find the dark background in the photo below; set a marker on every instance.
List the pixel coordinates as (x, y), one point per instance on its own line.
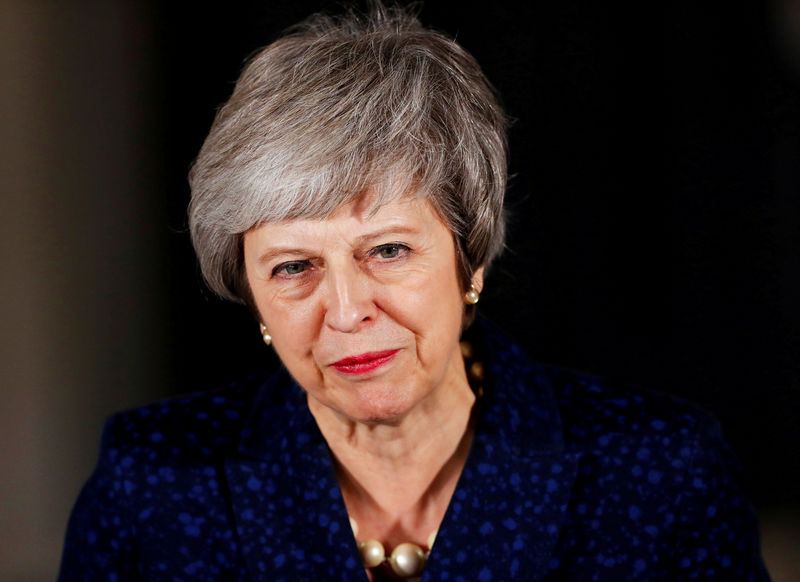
(653, 201)
(654, 221)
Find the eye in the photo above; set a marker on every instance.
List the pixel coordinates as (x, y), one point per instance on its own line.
(389, 251)
(291, 268)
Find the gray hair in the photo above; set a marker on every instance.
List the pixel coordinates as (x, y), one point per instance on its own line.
(344, 104)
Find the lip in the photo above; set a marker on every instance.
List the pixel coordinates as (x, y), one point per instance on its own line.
(363, 363)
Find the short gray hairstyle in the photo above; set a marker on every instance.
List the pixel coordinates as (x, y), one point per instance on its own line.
(339, 105)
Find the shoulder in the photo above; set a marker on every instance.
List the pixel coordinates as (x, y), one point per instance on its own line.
(203, 425)
(658, 465)
(591, 411)
(595, 410)
(159, 483)
(652, 472)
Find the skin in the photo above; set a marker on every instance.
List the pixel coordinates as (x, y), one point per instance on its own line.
(362, 281)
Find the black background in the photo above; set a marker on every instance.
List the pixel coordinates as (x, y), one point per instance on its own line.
(653, 201)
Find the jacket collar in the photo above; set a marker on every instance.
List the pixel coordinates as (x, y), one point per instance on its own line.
(504, 517)
(506, 513)
(289, 512)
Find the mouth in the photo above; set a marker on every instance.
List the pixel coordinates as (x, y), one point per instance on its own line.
(363, 363)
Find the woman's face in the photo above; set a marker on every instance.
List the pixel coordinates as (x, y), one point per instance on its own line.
(364, 308)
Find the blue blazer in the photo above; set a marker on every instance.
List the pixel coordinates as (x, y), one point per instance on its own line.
(568, 478)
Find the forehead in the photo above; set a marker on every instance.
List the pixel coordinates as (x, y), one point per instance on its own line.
(370, 212)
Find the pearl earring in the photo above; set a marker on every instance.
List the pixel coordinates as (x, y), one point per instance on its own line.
(472, 296)
(265, 335)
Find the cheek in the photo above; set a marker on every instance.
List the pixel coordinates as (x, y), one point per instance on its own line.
(429, 307)
(291, 326)
(293, 339)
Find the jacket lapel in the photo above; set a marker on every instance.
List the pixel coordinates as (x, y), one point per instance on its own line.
(290, 516)
(506, 514)
(505, 517)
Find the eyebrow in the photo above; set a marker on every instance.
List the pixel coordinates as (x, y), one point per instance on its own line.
(267, 256)
(390, 229)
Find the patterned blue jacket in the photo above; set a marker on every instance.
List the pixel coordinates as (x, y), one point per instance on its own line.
(568, 478)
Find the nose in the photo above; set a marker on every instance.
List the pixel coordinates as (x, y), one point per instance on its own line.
(350, 302)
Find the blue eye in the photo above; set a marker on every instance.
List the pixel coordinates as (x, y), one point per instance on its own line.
(389, 251)
(291, 268)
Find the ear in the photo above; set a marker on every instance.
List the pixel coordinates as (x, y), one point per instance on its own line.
(477, 279)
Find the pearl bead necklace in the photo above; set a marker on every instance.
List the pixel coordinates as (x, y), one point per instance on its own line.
(406, 560)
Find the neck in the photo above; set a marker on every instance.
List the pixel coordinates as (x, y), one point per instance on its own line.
(397, 478)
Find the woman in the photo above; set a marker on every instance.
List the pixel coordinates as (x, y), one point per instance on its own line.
(350, 193)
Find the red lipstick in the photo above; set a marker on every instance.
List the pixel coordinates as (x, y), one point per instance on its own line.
(364, 363)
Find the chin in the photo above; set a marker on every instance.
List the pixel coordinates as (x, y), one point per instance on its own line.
(378, 407)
